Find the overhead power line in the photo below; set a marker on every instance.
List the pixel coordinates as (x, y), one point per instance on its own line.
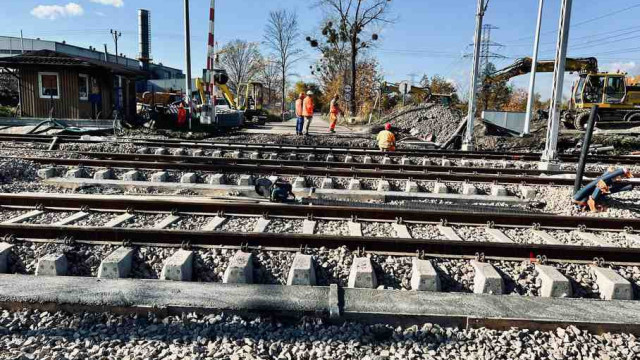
(587, 21)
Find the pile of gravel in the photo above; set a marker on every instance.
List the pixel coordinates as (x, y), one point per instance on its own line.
(29, 334)
(420, 121)
(106, 147)
(17, 170)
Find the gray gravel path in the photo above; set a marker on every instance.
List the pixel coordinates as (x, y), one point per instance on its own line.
(34, 334)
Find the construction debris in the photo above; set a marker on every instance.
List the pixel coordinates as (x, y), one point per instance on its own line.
(426, 122)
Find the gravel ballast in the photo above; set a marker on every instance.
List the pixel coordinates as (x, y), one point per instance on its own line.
(29, 334)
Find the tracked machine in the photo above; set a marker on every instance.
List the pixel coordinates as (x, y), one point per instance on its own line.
(612, 92)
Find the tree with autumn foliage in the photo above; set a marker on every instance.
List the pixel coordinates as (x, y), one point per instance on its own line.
(302, 87)
(493, 95)
(440, 85)
(367, 81)
(518, 101)
(349, 29)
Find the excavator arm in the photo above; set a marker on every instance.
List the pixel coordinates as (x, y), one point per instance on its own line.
(415, 90)
(523, 66)
(226, 92)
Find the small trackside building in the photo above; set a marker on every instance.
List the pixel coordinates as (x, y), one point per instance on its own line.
(72, 87)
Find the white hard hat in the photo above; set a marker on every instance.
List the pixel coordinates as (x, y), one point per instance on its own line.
(309, 92)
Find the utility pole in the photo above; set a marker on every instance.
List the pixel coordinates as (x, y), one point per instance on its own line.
(468, 139)
(549, 160)
(187, 49)
(211, 56)
(116, 35)
(534, 65)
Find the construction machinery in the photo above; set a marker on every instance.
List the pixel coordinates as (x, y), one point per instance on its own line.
(248, 100)
(226, 115)
(617, 100)
(420, 92)
(523, 66)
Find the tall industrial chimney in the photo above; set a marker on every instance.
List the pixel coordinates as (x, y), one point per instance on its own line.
(144, 37)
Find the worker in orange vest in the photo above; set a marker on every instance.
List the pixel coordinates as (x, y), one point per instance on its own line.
(182, 114)
(333, 113)
(307, 111)
(300, 117)
(386, 139)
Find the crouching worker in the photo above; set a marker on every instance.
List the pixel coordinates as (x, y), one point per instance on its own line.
(386, 139)
(609, 183)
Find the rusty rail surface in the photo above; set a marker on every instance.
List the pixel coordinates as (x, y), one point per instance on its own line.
(489, 155)
(405, 245)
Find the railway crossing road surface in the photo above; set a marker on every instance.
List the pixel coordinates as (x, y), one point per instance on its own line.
(319, 126)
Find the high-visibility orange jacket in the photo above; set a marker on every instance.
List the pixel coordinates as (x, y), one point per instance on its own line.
(335, 108)
(386, 140)
(307, 108)
(299, 107)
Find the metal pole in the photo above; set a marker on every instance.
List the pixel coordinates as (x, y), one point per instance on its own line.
(549, 156)
(212, 55)
(468, 139)
(22, 41)
(585, 149)
(106, 54)
(187, 49)
(116, 35)
(534, 65)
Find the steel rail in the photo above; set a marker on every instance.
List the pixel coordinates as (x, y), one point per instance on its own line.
(330, 164)
(489, 155)
(428, 246)
(466, 216)
(137, 161)
(381, 244)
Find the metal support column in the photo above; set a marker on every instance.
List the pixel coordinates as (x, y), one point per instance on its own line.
(187, 49)
(550, 154)
(468, 139)
(534, 65)
(212, 55)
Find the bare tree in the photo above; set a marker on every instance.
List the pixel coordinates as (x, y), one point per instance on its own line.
(270, 77)
(242, 61)
(353, 16)
(281, 36)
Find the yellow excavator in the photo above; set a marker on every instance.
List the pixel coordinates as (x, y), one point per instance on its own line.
(617, 100)
(249, 100)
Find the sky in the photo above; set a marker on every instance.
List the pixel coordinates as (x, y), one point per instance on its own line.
(427, 37)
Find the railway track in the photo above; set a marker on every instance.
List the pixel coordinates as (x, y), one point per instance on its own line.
(403, 244)
(306, 149)
(310, 168)
(334, 301)
(467, 310)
